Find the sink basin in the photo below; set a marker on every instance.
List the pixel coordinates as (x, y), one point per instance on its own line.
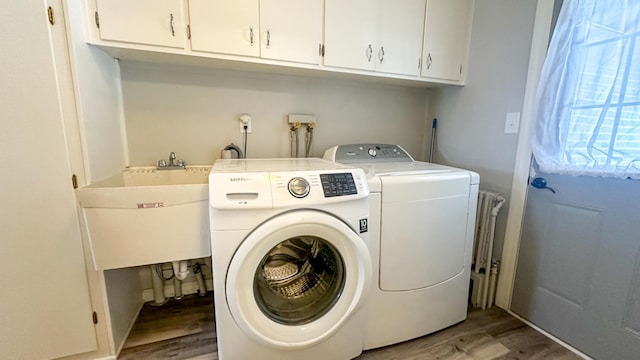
(143, 185)
(146, 216)
(150, 176)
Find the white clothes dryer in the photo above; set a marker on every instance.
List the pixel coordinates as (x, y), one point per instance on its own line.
(422, 221)
(291, 265)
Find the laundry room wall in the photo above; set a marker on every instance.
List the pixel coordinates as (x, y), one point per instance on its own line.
(194, 112)
(471, 119)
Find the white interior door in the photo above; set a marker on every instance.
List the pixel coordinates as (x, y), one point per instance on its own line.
(578, 273)
(45, 309)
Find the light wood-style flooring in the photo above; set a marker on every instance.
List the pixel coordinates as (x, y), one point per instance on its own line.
(185, 329)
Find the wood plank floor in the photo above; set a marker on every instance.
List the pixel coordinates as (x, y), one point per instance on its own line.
(185, 330)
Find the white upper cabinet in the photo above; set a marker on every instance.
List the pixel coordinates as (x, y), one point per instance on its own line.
(382, 35)
(413, 40)
(400, 36)
(289, 30)
(350, 33)
(446, 39)
(226, 27)
(148, 22)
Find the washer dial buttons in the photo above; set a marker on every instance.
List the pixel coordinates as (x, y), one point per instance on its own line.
(372, 152)
(299, 187)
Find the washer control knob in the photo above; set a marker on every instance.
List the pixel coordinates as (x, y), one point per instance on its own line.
(372, 152)
(299, 187)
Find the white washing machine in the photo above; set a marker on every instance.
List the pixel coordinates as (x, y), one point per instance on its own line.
(422, 226)
(291, 265)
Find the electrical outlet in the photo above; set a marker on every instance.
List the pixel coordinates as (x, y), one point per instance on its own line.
(245, 119)
(249, 130)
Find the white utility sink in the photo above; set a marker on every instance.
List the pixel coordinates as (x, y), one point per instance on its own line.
(146, 216)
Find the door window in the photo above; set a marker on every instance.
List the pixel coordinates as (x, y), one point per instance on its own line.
(589, 93)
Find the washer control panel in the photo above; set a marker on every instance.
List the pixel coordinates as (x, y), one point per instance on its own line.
(363, 153)
(277, 183)
(338, 184)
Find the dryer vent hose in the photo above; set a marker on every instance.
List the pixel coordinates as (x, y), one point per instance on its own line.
(235, 148)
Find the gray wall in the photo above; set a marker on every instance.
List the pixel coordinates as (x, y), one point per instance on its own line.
(471, 119)
(194, 112)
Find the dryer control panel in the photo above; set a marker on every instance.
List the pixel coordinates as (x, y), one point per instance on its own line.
(363, 153)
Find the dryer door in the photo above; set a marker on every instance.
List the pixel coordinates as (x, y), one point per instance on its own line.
(297, 278)
(423, 232)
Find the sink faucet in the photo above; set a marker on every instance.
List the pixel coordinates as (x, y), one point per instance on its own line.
(172, 165)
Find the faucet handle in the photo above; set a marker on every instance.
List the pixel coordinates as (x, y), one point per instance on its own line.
(182, 163)
(162, 163)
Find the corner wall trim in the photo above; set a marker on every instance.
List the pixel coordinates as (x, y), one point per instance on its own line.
(515, 215)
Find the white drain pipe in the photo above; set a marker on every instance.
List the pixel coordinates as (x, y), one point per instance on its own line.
(158, 287)
(180, 272)
(492, 229)
(177, 288)
(180, 269)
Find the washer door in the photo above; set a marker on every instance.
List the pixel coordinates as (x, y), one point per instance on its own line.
(297, 278)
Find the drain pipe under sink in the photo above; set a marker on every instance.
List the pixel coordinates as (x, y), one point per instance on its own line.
(180, 269)
(180, 272)
(158, 287)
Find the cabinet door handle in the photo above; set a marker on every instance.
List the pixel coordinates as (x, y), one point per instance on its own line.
(429, 61)
(268, 38)
(251, 35)
(369, 53)
(173, 30)
(381, 54)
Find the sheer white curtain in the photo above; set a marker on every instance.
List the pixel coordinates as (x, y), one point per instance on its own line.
(589, 95)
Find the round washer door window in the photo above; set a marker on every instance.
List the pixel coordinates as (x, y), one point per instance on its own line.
(297, 278)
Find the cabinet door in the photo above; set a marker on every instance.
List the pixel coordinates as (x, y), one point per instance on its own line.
(45, 308)
(291, 30)
(350, 32)
(226, 27)
(151, 22)
(446, 38)
(400, 26)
